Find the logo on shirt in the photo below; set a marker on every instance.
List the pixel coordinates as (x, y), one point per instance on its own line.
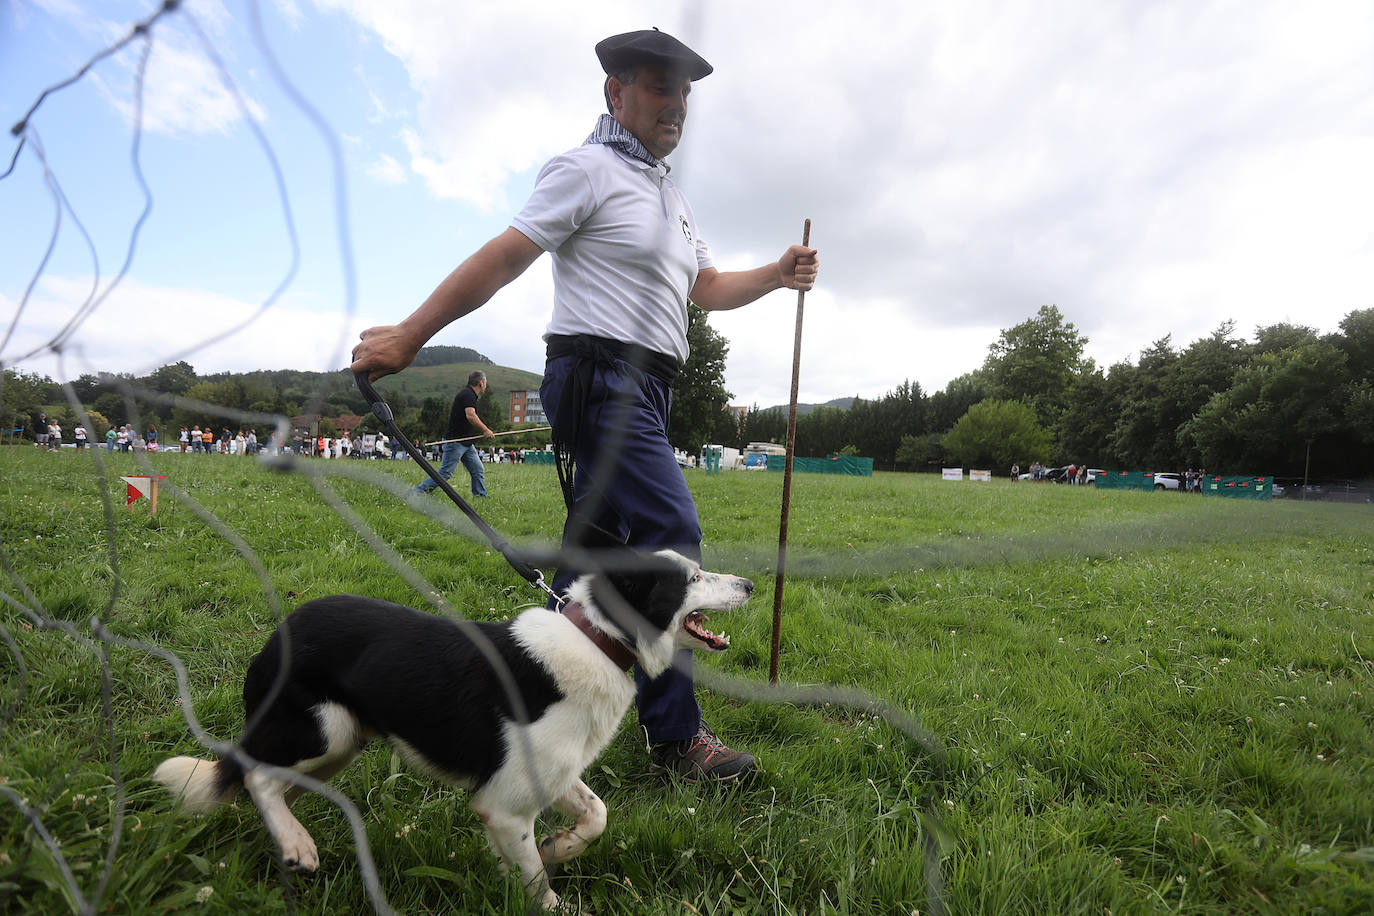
(686, 229)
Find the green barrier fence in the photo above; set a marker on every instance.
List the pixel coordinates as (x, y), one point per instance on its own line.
(1238, 487)
(835, 464)
(1233, 487)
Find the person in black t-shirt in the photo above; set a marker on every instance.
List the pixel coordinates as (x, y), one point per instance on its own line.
(463, 423)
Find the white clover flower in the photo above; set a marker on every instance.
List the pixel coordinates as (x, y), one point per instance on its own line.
(204, 894)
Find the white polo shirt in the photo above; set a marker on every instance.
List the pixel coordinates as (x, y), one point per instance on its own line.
(626, 251)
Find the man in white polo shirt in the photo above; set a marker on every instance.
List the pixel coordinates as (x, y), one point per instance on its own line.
(627, 256)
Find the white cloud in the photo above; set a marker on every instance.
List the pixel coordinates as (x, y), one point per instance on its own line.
(140, 327)
(184, 92)
(502, 87)
(387, 170)
(862, 347)
(290, 12)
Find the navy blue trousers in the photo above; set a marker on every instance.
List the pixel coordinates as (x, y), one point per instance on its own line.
(628, 482)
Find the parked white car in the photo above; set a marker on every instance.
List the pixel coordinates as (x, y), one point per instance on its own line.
(1167, 480)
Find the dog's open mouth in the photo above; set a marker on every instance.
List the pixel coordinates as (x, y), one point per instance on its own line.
(695, 623)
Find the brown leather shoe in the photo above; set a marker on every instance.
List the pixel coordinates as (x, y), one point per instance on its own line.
(703, 757)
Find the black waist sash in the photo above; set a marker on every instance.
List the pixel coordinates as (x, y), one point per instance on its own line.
(591, 352)
(604, 350)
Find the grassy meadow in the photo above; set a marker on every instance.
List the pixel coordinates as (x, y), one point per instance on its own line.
(1126, 702)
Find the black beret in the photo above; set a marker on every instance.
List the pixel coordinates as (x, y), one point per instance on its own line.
(650, 46)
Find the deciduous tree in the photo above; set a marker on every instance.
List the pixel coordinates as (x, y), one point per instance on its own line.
(995, 433)
(1036, 362)
(699, 394)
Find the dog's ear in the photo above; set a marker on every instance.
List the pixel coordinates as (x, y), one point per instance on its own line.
(641, 595)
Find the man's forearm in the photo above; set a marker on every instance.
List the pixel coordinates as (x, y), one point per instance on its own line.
(476, 421)
(731, 289)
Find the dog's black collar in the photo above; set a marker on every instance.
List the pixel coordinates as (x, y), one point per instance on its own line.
(611, 647)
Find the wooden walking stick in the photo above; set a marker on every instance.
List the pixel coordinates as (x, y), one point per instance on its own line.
(509, 432)
(787, 480)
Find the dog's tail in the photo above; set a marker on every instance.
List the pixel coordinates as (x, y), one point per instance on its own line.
(200, 785)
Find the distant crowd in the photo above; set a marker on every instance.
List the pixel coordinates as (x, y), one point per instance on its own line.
(1073, 473)
(204, 440)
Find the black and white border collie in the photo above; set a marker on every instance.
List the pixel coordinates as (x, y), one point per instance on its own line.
(343, 670)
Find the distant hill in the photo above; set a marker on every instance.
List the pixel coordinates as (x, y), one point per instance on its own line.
(437, 372)
(803, 409)
(442, 355)
(443, 381)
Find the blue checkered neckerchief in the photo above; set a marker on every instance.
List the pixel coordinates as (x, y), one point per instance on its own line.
(610, 132)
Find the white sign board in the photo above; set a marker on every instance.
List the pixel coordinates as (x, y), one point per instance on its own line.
(951, 473)
(980, 475)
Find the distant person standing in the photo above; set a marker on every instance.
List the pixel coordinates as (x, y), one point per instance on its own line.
(80, 433)
(463, 423)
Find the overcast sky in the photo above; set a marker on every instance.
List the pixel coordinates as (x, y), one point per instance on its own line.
(1149, 168)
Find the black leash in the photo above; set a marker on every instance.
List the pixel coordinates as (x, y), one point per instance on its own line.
(382, 410)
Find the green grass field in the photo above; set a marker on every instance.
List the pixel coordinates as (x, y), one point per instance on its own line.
(1130, 702)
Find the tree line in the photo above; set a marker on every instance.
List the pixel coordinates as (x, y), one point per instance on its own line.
(1290, 400)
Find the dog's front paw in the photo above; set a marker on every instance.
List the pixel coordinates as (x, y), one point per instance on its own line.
(298, 851)
(561, 847)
